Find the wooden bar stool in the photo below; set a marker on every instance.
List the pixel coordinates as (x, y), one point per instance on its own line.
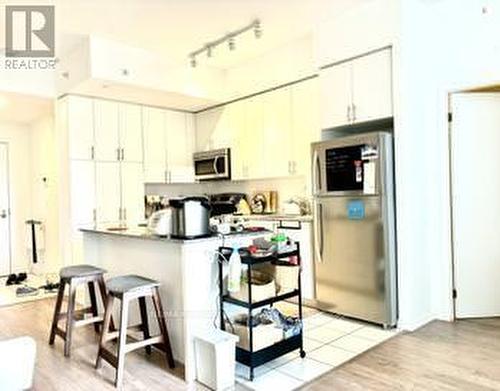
(74, 276)
(127, 288)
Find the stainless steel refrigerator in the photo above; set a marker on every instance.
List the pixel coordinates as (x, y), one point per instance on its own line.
(354, 227)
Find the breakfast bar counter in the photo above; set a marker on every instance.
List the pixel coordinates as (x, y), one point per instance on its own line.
(186, 269)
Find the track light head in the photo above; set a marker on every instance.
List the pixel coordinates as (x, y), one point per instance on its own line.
(230, 43)
(209, 51)
(257, 29)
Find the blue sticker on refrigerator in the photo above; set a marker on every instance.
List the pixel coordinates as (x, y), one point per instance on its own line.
(356, 210)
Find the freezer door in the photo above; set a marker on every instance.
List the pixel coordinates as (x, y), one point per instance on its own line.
(351, 259)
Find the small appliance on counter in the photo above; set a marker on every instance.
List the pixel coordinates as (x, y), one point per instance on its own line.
(160, 222)
(154, 203)
(190, 217)
(226, 203)
(264, 202)
(298, 206)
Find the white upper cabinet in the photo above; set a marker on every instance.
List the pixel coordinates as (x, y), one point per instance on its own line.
(206, 124)
(336, 95)
(106, 130)
(132, 193)
(80, 117)
(372, 86)
(155, 147)
(240, 153)
(276, 133)
(305, 124)
(108, 192)
(179, 128)
(357, 90)
(130, 126)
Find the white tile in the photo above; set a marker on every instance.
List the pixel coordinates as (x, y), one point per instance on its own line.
(344, 325)
(374, 333)
(324, 334)
(283, 359)
(317, 320)
(331, 355)
(305, 369)
(311, 344)
(354, 344)
(273, 380)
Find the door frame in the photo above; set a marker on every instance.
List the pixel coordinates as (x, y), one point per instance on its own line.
(453, 267)
(9, 214)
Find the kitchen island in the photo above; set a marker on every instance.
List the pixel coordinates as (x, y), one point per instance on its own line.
(186, 269)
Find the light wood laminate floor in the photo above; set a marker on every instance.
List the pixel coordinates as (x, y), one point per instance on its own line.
(440, 356)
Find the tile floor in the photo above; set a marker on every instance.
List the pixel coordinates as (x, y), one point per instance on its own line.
(329, 341)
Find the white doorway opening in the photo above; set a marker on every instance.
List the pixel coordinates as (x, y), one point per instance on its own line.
(475, 199)
(5, 234)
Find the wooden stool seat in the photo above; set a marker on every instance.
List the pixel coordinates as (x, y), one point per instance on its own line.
(127, 288)
(74, 276)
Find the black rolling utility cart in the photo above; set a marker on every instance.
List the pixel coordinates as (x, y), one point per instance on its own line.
(250, 357)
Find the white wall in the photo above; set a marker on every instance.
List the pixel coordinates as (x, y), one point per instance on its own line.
(45, 195)
(446, 46)
(19, 140)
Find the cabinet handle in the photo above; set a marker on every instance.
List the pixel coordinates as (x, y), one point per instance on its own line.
(125, 214)
(353, 112)
(349, 113)
(123, 154)
(92, 152)
(118, 154)
(94, 215)
(120, 214)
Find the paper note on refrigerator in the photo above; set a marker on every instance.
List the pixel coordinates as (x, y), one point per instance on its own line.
(369, 177)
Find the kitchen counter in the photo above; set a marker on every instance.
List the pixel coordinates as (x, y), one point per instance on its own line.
(139, 232)
(186, 269)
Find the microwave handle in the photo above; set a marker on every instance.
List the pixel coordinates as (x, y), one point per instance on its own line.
(216, 159)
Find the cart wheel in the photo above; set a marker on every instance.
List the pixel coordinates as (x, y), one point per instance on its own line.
(302, 354)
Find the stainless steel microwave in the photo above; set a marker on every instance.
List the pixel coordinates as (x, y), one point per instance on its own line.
(212, 165)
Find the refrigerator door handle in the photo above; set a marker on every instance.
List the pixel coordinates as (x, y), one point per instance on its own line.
(318, 232)
(316, 173)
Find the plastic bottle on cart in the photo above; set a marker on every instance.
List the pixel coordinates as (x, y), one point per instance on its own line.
(234, 278)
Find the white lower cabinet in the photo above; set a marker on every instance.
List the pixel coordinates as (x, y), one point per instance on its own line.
(132, 193)
(108, 197)
(83, 192)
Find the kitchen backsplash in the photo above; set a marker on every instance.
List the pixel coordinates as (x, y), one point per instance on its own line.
(286, 188)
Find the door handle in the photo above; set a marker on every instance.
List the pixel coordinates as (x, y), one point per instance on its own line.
(316, 173)
(318, 232)
(3, 214)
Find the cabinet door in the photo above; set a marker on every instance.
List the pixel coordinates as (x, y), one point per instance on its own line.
(335, 95)
(108, 196)
(223, 136)
(131, 132)
(239, 150)
(106, 130)
(80, 127)
(372, 86)
(252, 139)
(305, 126)
(277, 133)
(155, 164)
(83, 193)
(205, 124)
(132, 193)
(180, 141)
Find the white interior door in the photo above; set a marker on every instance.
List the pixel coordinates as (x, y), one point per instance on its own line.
(4, 211)
(475, 163)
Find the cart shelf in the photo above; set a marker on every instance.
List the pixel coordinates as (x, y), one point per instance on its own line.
(262, 303)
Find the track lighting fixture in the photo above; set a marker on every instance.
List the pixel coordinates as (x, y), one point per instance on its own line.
(229, 38)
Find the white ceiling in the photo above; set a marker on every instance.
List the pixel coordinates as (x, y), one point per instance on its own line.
(23, 109)
(174, 28)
